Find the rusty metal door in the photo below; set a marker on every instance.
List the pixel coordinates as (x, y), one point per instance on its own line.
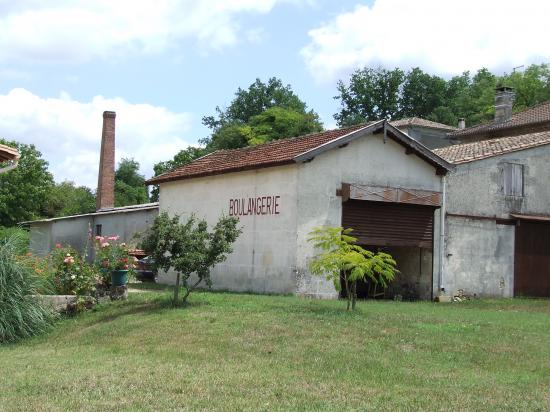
(389, 224)
(532, 259)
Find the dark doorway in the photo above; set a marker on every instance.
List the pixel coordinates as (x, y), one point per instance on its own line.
(405, 231)
(532, 259)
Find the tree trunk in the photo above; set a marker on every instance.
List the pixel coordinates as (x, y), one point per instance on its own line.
(354, 295)
(348, 294)
(189, 290)
(176, 290)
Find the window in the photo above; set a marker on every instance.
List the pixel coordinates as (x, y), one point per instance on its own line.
(512, 179)
(98, 230)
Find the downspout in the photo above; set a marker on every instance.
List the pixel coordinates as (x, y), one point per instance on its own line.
(442, 214)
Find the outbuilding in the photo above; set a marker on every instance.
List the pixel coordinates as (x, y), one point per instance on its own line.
(371, 177)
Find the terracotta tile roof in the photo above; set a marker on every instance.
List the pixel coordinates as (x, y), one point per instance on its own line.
(276, 153)
(533, 115)
(8, 153)
(417, 121)
(469, 152)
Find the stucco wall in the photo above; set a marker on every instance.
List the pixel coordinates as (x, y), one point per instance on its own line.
(364, 161)
(479, 255)
(74, 231)
(264, 256)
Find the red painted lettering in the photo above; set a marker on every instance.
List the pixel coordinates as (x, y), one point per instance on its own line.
(268, 205)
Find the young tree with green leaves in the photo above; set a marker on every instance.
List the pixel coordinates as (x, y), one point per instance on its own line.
(189, 248)
(343, 261)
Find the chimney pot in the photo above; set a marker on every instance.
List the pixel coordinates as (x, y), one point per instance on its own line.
(504, 101)
(105, 198)
(462, 123)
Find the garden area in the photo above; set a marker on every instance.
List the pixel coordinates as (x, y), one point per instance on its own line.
(225, 351)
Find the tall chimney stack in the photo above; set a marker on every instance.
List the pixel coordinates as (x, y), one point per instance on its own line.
(105, 197)
(504, 100)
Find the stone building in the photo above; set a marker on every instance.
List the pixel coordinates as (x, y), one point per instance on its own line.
(498, 204)
(373, 177)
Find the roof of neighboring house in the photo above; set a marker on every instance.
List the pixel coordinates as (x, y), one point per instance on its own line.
(532, 116)
(469, 152)
(114, 210)
(417, 121)
(289, 151)
(8, 153)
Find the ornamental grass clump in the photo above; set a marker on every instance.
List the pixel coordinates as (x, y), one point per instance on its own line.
(22, 313)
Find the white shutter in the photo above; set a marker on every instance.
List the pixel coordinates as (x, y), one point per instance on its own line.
(513, 179)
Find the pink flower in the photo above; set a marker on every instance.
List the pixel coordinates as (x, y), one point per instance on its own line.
(58, 245)
(112, 238)
(125, 267)
(100, 238)
(105, 244)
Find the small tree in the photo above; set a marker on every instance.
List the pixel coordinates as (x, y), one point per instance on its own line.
(342, 259)
(190, 248)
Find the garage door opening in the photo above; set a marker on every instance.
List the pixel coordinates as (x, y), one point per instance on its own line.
(405, 231)
(532, 259)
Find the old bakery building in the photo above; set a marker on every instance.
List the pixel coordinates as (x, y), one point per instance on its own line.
(372, 177)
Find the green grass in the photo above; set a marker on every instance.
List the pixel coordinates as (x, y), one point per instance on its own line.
(245, 352)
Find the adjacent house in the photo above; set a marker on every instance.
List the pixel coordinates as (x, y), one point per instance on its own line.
(498, 204)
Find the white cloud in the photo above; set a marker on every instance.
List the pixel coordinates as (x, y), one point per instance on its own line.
(80, 30)
(442, 36)
(68, 132)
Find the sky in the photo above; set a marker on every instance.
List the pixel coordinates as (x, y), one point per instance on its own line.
(162, 65)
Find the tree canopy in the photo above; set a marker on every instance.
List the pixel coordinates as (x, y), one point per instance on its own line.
(377, 93)
(24, 191)
(130, 186)
(263, 112)
(66, 199)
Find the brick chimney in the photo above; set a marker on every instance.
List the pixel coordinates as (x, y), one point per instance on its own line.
(105, 197)
(504, 100)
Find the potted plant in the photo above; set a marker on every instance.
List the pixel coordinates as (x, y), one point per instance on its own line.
(113, 258)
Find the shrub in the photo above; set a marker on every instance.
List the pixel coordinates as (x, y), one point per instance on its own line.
(22, 314)
(71, 274)
(110, 254)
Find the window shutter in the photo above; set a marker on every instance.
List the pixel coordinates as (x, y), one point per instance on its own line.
(513, 179)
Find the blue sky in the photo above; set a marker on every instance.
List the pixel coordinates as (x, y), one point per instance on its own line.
(163, 65)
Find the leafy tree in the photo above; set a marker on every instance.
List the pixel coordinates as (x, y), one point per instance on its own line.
(371, 94)
(228, 126)
(342, 259)
(130, 186)
(189, 248)
(421, 94)
(277, 122)
(532, 86)
(183, 157)
(66, 199)
(24, 190)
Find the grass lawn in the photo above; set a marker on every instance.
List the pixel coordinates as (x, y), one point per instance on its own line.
(246, 352)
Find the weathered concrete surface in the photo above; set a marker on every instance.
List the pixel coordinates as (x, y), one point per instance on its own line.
(368, 161)
(74, 231)
(479, 254)
(264, 255)
(273, 254)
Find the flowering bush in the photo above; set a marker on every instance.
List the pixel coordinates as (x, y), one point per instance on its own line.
(112, 254)
(71, 274)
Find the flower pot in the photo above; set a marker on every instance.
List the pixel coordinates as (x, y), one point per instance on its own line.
(119, 277)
